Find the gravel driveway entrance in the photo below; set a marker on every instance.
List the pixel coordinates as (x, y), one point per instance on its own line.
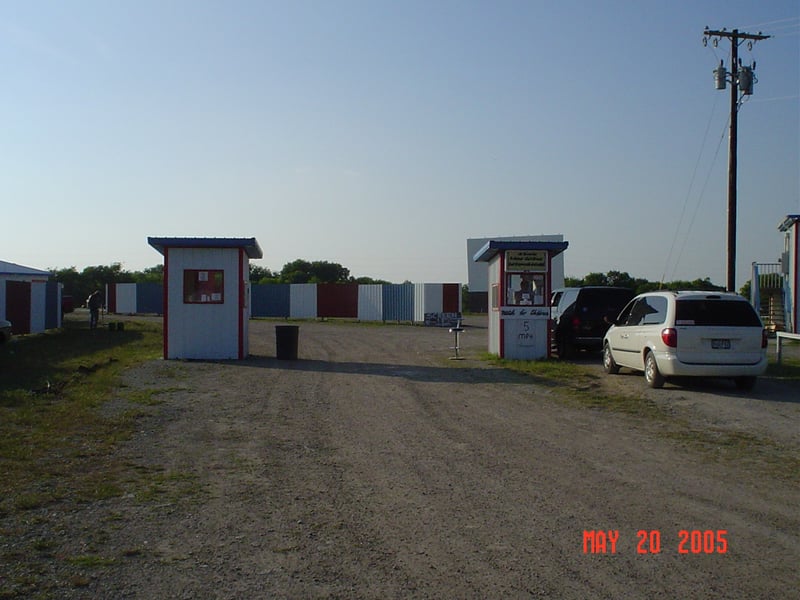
(375, 468)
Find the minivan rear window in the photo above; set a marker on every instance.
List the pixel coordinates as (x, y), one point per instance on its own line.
(716, 312)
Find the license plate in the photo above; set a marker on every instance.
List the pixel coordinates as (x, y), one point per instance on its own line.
(720, 344)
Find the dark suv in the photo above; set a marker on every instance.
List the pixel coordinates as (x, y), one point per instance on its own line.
(581, 316)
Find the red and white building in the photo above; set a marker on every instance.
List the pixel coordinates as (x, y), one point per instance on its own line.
(206, 296)
(29, 299)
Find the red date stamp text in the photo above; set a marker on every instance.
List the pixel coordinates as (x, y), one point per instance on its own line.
(649, 541)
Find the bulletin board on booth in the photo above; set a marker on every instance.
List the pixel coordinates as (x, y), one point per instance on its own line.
(526, 277)
(203, 286)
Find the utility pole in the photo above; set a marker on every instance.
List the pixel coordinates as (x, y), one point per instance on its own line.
(741, 76)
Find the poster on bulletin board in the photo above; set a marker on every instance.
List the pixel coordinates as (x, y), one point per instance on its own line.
(526, 260)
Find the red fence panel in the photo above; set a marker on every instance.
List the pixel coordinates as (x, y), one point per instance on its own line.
(18, 306)
(337, 300)
(451, 293)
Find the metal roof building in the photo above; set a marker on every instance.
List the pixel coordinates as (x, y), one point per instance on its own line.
(206, 296)
(28, 298)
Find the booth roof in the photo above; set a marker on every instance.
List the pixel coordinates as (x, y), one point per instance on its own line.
(787, 223)
(9, 268)
(492, 247)
(250, 245)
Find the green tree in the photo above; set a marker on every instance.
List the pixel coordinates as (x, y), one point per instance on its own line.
(260, 274)
(80, 285)
(320, 271)
(70, 278)
(638, 285)
(154, 274)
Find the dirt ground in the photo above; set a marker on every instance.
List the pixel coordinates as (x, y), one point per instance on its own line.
(374, 467)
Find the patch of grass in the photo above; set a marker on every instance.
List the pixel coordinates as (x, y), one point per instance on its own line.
(148, 397)
(170, 486)
(580, 386)
(789, 369)
(43, 546)
(549, 372)
(90, 561)
(741, 447)
(51, 386)
(32, 500)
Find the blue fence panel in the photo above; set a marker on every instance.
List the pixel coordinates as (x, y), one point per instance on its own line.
(398, 302)
(52, 305)
(270, 300)
(150, 298)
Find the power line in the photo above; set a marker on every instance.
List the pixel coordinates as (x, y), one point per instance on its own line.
(790, 19)
(689, 191)
(700, 199)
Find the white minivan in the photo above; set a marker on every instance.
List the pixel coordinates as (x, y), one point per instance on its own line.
(678, 334)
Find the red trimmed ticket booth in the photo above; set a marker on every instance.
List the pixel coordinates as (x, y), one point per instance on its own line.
(206, 296)
(519, 296)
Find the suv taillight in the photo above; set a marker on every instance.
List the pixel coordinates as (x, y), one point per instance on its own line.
(764, 339)
(670, 337)
(576, 323)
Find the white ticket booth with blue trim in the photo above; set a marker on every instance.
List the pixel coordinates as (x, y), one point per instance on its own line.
(206, 296)
(519, 296)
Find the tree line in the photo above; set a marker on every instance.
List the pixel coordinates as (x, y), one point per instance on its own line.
(640, 286)
(79, 284)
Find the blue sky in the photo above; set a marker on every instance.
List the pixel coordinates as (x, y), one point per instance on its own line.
(382, 135)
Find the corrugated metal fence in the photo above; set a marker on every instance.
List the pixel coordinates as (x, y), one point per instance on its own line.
(431, 303)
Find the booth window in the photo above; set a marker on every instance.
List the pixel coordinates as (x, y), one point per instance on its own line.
(203, 286)
(526, 289)
(495, 299)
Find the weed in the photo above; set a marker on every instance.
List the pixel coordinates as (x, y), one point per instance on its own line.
(148, 397)
(90, 561)
(168, 487)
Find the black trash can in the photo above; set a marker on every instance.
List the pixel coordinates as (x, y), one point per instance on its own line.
(286, 337)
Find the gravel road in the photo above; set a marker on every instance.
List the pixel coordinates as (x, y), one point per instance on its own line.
(374, 467)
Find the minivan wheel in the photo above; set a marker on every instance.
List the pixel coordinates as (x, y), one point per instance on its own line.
(745, 383)
(652, 375)
(609, 364)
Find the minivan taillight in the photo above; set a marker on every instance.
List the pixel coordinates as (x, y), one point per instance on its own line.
(670, 337)
(764, 339)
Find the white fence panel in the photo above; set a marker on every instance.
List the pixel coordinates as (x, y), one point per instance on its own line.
(303, 301)
(370, 302)
(126, 298)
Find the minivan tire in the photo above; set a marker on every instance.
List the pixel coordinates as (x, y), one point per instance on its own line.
(652, 375)
(609, 364)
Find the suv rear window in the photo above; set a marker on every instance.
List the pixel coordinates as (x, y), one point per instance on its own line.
(725, 313)
(598, 303)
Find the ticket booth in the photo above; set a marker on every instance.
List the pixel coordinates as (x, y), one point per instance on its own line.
(519, 296)
(206, 296)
